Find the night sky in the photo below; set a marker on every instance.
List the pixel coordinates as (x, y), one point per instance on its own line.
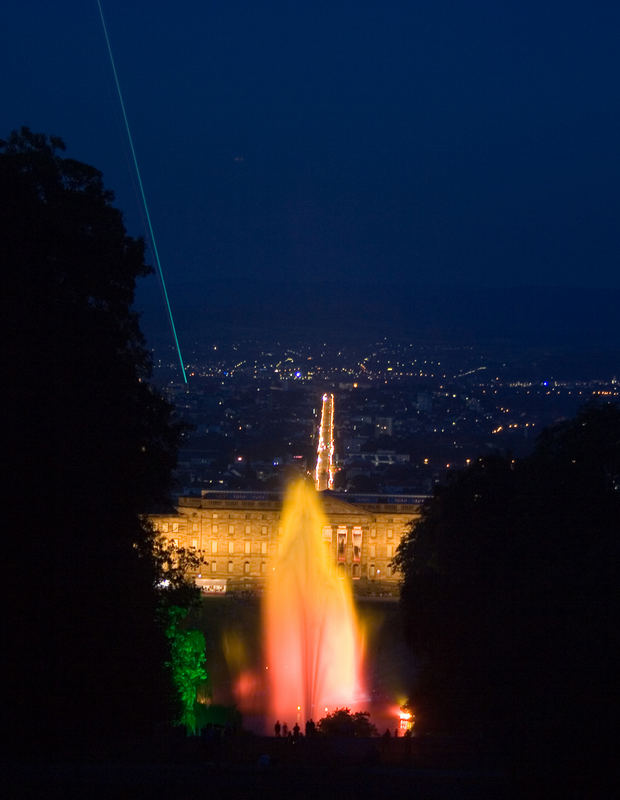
(331, 156)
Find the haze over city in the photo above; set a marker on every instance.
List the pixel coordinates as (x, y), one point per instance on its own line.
(440, 168)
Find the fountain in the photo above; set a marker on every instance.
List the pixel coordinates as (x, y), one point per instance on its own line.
(312, 639)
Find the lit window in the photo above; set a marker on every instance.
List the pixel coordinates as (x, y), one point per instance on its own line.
(215, 529)
(194, 544)
(214, 515)
(231, 529)
(248, 528)
(246, 567)
(263, 567)
(371, 571)
(373, 550)
(263, 548)
(341, 539)
(230, 566)
(214, 546)
(263, 529)
(214, 566)
(373, 532)
(390, 550)
(164, 527)
(175, 526)
(231, 547)
(356, 538)
(390, 533)
(195, 526)
(247, 548)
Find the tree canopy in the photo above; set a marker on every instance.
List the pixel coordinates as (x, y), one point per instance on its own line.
(509, 581)
(342, 722)
(91, 448)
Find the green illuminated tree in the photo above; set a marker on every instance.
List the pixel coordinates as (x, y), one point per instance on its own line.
(186, 660)
(187, 664)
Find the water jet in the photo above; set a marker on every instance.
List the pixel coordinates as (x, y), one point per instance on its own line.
(313, 644)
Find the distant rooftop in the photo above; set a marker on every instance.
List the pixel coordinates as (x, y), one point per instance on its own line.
(346, 497)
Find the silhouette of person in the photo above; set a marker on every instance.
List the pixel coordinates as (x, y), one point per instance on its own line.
(284, 730)
(276, 727)
(295, 731)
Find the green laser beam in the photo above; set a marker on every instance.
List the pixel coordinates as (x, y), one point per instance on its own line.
(144, 203)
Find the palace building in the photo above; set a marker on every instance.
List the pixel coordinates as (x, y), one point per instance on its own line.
(236, 536)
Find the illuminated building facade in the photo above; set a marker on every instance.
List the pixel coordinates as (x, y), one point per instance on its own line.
(236, 536)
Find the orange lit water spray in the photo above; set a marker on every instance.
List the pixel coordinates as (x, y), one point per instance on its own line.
(312, 640)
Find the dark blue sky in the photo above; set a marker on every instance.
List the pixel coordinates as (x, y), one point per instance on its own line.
(403, 144)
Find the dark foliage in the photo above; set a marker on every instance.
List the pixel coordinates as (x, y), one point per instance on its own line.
(342, 722)
(91, 447)
(508, 595)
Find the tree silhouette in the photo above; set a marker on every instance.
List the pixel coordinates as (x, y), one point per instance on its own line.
(508, 594)
(91, 448)
(342, 722)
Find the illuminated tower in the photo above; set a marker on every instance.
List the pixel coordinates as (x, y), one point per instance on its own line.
(324, 473)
